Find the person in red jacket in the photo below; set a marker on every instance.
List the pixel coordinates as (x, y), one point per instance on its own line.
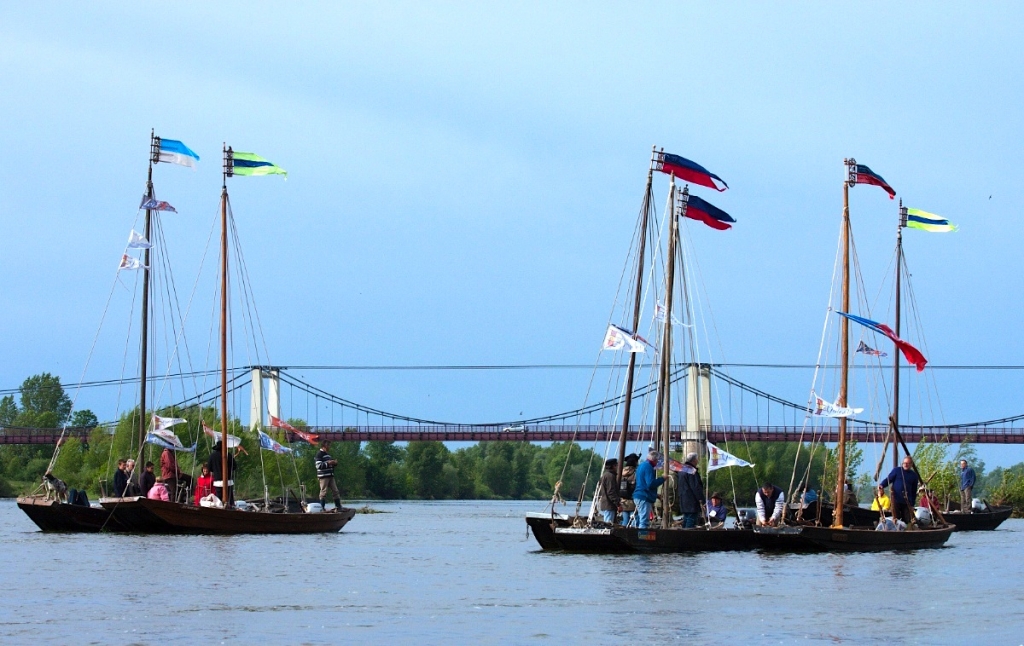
(204, 484)
(172, 475)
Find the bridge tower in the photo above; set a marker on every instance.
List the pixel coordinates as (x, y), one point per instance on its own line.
(698, 409)
(273, 396)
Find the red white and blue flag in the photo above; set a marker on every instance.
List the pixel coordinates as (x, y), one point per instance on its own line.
(912, 354)
(700, 210)
(688, 171)
(156, 205)
(271, 444)
(864, 348)
(309, 437)
(864, 175)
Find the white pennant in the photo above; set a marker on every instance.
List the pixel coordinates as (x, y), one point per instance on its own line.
(127, 262)
(138, 241)
(823, 408)
(717, 458)
(617, 338)
(162, 423)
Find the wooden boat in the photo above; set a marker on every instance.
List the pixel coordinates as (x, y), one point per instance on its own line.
(543, 528)
(163, 517)
(54, 516)
(848, 539)
(987, 520)
(655, 540)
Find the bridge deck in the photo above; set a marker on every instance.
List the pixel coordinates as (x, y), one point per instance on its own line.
(590, 433)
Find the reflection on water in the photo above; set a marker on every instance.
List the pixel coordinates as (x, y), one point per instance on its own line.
(465, 571)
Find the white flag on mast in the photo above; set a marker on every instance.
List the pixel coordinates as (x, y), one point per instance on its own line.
(138, 241)
(717, 458)
(618, 338)
(823, 408)
(163, 423)
(127, 262)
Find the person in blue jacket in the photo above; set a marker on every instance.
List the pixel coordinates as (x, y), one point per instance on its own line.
(646, 492)
(966, 487)
(903, 481)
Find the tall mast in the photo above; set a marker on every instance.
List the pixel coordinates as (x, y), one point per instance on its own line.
(662, 427)
(224, 325)
(844, 324)
(645, 211)
(896, 352)
(154, 156)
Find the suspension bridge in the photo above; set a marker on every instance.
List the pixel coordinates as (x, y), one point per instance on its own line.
(265, 382)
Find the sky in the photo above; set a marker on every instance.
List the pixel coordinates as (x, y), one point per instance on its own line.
(464, 179)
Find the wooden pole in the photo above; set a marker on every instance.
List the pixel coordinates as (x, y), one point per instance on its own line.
(664, 390)
(144, 332)
(844, 326)
(224, 332)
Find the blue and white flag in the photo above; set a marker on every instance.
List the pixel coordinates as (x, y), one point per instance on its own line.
(138, 241)
(156, 205)
(159, 440)
(271, 444)
(173, 151)
(717, 458)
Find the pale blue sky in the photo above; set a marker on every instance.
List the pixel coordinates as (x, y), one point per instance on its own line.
(464, 179)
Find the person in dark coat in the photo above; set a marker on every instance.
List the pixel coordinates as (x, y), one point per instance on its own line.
(120, 479)
(691, 492)
(608, 492)
(903, 482)
(966, 487)
(627, 485)
(646, 492)
(147, 480)
(716, 510)
(216, 465)
(325, 474)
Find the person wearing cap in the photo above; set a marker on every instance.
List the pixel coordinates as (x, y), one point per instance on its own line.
(608, 492)
(627, 485)
(691, 491)
(903, 482)
(716, 510)
(325, 473)
(966, 487)
(646, 492)
(769, 498)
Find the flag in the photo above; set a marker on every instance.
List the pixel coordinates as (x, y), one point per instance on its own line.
(154, 204)
(127, 262)
(714, 217)
(617, 338)
(688, 171)
(823, 408)
(232, 440)
(864, 348)
(675, 465)
(271, 444)
(925, 221)
(912, 354)
(717, 458)
(138, 241)
(173, 151)
(157, 440)
(167, 436)
(309, 437)
(161, 423)
(250, 164)
(660, 312)
(864, 175)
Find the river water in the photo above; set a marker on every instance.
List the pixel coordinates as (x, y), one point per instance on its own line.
(466, 572)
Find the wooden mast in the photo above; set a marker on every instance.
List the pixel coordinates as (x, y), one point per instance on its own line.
(154, 156)
(224, 327)
(844, 326)
(664, 388)
(896, 350)
(645, 211)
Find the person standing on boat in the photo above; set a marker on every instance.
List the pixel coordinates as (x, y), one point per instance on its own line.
(608, 492)
(691, 492)
(147, 480)
(769, 497)
(172, 475)
(646, 492)
(716, 510)
(120, 479)
(325, 473)
(216, 465)
(627, 486)
(903, 482)
(966, 487)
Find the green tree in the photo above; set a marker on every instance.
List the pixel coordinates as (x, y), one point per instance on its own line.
(43, 402)
(425, 464)
(84, 418)
(385, 476)
(8, 411)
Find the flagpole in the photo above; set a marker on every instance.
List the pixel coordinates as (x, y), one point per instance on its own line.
(844, 326)
(896, 349)
(154, 157)
(645, 211)
(223, 327)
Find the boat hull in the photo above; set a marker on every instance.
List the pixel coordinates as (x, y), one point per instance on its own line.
(161, 517)
(631, 540)
(852, 516)
(543, 527)
(826, 539)
(979, 520)
(53, 516)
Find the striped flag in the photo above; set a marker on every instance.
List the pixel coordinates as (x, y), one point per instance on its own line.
(250, 164)
(309, 437)
(173, 151)
(861, 174)
(912, 354)
(688, 171)
(925, 221)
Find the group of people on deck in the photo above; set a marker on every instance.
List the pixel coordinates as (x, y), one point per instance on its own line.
(173, 484)
(637, 491)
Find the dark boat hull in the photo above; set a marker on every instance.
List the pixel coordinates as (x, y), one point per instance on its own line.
(631, 540)
(53, 516)
(543, 528)
(160, 517)
(826, 539)
(979, 520)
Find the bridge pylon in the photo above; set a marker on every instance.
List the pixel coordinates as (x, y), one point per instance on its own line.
(272, 396)
(698, 409)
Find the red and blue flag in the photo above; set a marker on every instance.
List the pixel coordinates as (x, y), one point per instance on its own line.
(688, 171)
(864, 175)
(709, 214)
(912, 354)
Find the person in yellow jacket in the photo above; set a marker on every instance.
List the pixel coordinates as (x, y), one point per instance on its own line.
(881, 502)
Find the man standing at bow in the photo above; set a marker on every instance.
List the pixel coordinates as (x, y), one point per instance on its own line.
(646, 492)
(903, 483)
(966, 487)
(325, 473)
